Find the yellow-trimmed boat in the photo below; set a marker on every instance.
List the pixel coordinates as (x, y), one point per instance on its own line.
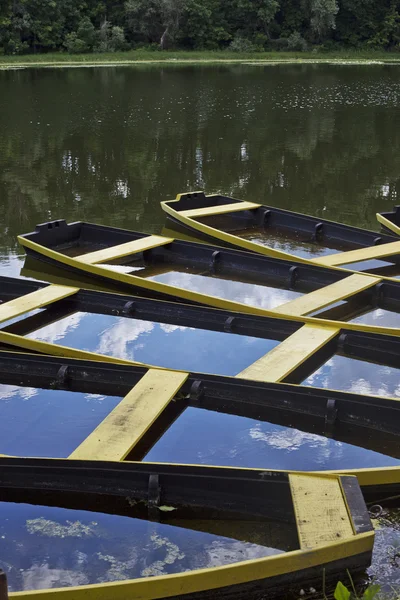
(327, 514)
(152, 399)
(173, 269)
(284, 234)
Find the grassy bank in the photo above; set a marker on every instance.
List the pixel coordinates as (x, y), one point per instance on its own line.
(194, 57)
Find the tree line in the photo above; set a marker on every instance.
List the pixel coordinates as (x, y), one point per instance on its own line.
(74, 26)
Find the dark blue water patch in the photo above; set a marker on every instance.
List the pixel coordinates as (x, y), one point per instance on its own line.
(160, 344)
(37, 422)
(45, 547)
(203, 437)
(356, 376)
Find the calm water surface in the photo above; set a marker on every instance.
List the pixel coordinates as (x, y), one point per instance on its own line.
(107, 145)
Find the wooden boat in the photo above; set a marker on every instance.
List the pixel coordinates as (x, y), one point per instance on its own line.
(284, 234)
(291, 351)
(390, 221)
(151, 399)
(173, 269)
(198, 497)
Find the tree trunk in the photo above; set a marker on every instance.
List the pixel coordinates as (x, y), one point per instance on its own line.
(164, 38)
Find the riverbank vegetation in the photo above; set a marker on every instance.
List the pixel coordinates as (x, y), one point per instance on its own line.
(245, 27)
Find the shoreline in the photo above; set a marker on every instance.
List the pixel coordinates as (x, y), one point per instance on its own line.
(135, 58)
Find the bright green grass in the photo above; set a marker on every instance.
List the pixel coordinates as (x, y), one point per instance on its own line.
(147, 56)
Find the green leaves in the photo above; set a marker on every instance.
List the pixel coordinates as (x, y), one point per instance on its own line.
(341, 592)
(371, 592)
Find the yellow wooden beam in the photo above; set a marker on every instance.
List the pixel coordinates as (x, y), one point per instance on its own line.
(37, 299)
(126, 425)
(320, 510)
(290, 354)
(329, 294)
(388, 224)
(354, 256)
(133, 247)
(209, 211)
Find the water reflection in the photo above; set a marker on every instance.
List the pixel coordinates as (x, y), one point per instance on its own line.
(380, 317)
(160, 344)
(37, 422)
(254, 295)
(357, 376)
(242, 442)
(45, 547)
(108, 144)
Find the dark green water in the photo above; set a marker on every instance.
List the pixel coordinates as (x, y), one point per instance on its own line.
(108, 144)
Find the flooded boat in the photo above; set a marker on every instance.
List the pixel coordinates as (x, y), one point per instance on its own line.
(235, 280)
(285, 234)
(242, 504)
(77, 323)
(140, 404)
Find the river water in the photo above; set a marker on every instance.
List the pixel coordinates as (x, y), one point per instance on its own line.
(107, 145)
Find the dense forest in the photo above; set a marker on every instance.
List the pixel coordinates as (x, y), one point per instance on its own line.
(28, 26)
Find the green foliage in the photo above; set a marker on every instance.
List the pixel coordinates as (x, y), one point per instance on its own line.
(343, 593)
(40, 26)
(240, 44)
(295, 41)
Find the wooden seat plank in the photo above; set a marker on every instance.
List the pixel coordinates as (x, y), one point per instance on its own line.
(209, 211)
(132, 247)
(320, 510)
(359, 255)
(329, 294)
(126, 425)
(37, 299)
(277, 364)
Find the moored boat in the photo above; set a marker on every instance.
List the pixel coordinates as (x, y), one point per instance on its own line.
(284, 234)
(235, 280)
(147, 401)
(191, 498)
(76, 323)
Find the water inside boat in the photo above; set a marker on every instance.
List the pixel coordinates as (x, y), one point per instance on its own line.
(161, 344)
(46, 547)
(289, 242)
(357, 376)
(41, 422)
(205, 437)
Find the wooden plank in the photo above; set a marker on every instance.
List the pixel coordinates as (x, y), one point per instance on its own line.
(329, 294)
(37, 299)
(125, 426)
(133, 247)
(320, 510)
(353, 256)
(388, 224)
(290, 354)
(209, 211)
